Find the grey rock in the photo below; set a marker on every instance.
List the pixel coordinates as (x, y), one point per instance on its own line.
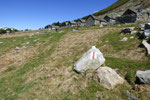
(28, 43)
(141, 26)
(124, 39)
(133, 32)
(132, 37)
(130, 96)
(143, 77)
(126, 30)
(92, 59)
(1, 42)
(74, 30)
(108, 77)
(147, 26)
(24, 47)
(147, 33)
(147, 46)
(17, 48)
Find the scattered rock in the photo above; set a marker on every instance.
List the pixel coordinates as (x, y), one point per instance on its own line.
(92, 59)
(146, 33)
(141, 35)
(147, 26)
(61, 31)
(101, 26)
(74, 30)
(17, 48)
(28, 43)
(24, 47)
(130, 96)
(147, 46)
(108, 77)
(132, 37)
(124, 39)
(126, 30)
(141, 26)
(133, 32)
(143, 77)
(1, 42)
(131, 28)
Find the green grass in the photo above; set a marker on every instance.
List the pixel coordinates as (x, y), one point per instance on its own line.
(10, 43)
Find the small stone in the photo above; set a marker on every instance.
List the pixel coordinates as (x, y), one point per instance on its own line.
(28, 43)
(17, 48)
(130, 96)
(1, 42)
(131, 37)
(133, 32)
(74, 30)
(124, 39)
(24, 47)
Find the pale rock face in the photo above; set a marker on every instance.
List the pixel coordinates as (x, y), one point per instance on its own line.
(108, 77)
(92, 59)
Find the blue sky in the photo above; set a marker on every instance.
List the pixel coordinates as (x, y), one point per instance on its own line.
(34, 14)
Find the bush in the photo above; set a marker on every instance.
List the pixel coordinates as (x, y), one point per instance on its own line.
(2, 31)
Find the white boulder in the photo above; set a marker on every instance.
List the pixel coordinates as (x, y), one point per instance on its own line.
(92, 59)
(108, 77)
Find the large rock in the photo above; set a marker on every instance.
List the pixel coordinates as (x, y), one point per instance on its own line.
(108, 77)
(143, 77)
(92, 59)
(147, 26)
(147, 46)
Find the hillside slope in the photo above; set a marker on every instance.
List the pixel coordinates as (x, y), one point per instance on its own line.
(122, 5)
(47, 73)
